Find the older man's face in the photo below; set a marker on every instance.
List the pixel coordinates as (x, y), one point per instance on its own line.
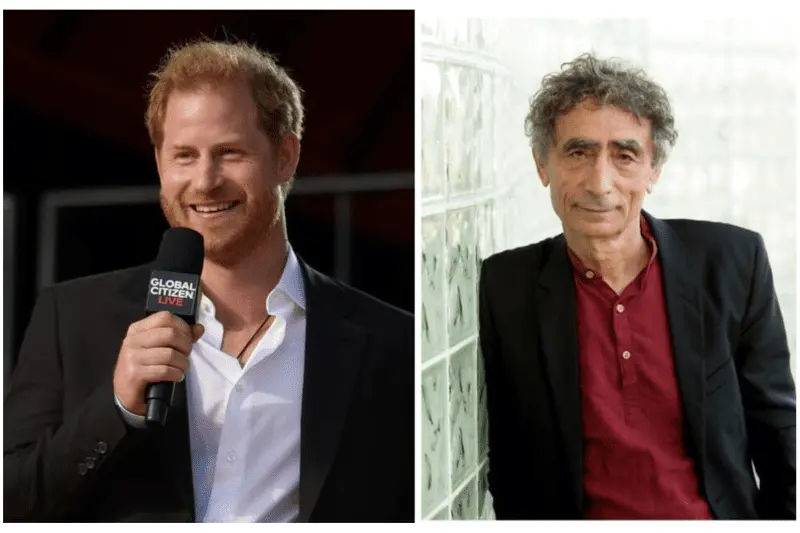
(599, 169)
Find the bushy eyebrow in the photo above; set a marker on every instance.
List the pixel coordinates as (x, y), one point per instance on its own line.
(629, 144)
(182, 148)
(227, 143)
(580, 143)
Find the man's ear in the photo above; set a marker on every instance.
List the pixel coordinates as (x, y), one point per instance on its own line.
(288, 157)
(655, 175)
(156, 153)
(541, 168)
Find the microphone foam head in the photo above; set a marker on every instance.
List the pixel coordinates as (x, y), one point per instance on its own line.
(181, 251)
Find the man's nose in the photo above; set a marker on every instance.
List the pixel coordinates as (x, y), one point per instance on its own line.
(208, 176)
(600, 178)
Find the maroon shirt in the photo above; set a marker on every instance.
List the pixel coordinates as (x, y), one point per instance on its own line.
(635, 463)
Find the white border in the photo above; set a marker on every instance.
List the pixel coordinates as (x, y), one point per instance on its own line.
(417, 274)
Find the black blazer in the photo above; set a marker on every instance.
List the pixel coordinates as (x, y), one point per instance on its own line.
(731, 358)
(357, 425)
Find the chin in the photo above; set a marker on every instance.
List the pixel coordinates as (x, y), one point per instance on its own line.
(230, 246)
(225, 251)
(596, 228)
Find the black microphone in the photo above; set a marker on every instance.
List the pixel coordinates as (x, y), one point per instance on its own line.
(174, 287)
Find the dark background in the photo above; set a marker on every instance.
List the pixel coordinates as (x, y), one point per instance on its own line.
(74, 103)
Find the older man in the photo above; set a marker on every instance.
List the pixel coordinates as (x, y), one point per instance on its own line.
(635, 367)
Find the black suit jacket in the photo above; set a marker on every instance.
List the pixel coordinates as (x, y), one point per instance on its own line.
(357, 426)
(731, 359)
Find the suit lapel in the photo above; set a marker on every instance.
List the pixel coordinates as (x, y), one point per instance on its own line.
(684, 312)
(555, 300)
(334, 348)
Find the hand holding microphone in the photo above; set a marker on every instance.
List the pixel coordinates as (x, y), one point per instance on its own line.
(155, 352)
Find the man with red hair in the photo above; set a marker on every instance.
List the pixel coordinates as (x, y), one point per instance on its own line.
(294, 397)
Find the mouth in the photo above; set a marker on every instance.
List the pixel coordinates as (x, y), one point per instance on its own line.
(213, 209)
(590, 210)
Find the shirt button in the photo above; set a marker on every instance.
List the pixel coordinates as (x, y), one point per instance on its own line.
(589, 274)
(626, 354)
(231, 457)
(620, 308)
(238, 388)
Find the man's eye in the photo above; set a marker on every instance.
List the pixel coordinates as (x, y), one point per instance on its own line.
(577, 154)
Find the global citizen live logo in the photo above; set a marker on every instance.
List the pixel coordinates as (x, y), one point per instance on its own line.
(175, 292)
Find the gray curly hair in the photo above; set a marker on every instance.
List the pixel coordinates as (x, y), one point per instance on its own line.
(608, 82)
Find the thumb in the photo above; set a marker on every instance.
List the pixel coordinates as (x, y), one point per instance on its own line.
(197, 332)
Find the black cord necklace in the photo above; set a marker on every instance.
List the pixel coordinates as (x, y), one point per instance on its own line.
(239, 357)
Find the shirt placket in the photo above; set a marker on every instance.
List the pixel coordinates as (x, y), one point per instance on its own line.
(624, 352)
(230, 463)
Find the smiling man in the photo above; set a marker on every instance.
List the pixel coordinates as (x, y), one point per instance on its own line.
(635, 367)
(294, 399)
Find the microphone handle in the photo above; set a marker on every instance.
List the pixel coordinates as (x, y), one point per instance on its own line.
(159, 400)
(159, 396)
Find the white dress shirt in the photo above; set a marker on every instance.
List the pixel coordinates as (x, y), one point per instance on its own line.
(244, 423)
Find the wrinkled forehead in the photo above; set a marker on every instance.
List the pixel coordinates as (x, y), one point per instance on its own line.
(603, 124)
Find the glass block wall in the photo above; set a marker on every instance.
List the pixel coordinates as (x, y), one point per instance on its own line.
(732, 87)
(476, 175)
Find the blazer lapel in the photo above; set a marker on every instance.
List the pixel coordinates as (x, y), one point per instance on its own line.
(555, 300)
(334, 348)
(685, 315)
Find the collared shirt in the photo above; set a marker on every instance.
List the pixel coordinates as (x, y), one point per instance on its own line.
(244, 422)
(635, 460)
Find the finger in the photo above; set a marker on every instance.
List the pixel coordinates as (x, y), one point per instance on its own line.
(197, 331)
(162, 319)
(163, 357)
(163, 338)
(162, 373)
(155, 320)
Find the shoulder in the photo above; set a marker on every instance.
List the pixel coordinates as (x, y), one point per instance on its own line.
(360, 308)
(111, 299)
(105, 285)
(716, 241)
(708, 233)
(370, 311)
(389, 331)
(526, 258)
(91, 314)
